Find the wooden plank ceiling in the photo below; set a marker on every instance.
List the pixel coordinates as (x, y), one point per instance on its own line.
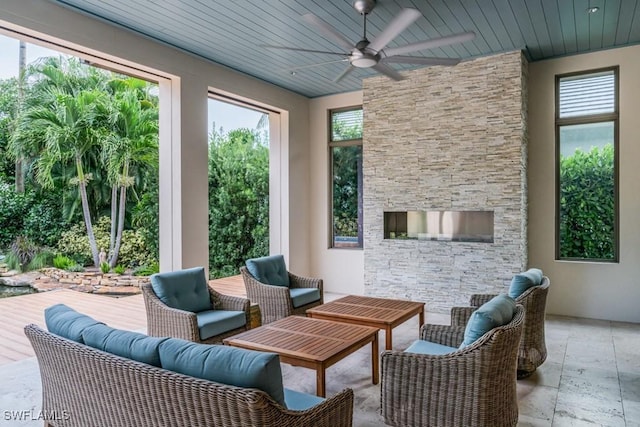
(231, 32)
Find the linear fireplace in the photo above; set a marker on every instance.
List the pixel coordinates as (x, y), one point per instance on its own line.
(455, 226)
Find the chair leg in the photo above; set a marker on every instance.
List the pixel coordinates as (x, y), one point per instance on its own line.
(521, 374)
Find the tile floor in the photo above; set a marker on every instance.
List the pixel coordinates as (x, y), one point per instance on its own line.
(591, 377)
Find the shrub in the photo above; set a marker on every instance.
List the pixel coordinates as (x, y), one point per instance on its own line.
(63, 262)
(587, 204)
(13, 210)
(119, 269)
(146, 270)
(104, 267)
(77, 268)
(75, 244)
(44, 258)
(22, 251)
(43, 222)
(25, 255)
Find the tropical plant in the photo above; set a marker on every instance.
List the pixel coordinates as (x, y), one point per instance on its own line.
(63, 262)
(104, 267)
(21, 254)
(131, 145)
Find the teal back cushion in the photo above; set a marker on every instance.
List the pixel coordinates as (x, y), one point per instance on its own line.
(523, 281)
(223, 364)
(269, 269)
(496, 312)
(131, 345)
(183, 289)
(65, 321)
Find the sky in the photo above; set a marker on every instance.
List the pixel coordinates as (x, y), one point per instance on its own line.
(226, 115)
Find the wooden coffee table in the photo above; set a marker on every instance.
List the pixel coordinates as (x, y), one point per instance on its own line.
(311, 343)
(381, 313)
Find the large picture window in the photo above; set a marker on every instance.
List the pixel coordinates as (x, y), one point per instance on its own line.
(587, 166)
(345, 152)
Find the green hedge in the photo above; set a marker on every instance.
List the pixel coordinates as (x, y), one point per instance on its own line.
(587, 204)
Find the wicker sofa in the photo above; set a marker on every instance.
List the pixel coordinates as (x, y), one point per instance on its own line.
(84, 386)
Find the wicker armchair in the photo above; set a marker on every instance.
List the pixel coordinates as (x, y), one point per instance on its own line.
(166, 321)
(83, 386)
(473, 386)
(274, 301)
(533, 350)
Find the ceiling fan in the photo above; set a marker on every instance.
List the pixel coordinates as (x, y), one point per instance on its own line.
(372, 54)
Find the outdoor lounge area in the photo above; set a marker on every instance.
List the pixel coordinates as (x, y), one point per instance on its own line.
(416, 158)
(583, 382)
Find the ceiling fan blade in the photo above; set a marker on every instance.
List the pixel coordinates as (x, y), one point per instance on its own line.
(302, 67)
(328, 30)
(388, 71)
(430, 44)
(398, 59)
(267, 46)
(344, 73)
(400, 23)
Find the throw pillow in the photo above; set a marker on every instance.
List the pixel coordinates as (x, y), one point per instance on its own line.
(496, 312)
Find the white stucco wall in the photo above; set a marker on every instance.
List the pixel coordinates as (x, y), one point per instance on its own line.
(594, 290)
(192, 78)
(341, 269)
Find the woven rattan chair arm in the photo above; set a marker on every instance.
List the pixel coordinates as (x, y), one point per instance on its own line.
(451, 336)
(478, 299)
(296, 281)
(229, 302)
(165, 321)
(460, 315)
(336, 410)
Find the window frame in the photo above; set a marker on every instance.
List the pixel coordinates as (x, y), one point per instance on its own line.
(589, 119)
(330, 146)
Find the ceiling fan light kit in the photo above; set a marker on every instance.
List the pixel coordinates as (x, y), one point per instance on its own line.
(372, 54)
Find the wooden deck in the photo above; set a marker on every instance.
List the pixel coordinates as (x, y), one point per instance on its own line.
(122, 313)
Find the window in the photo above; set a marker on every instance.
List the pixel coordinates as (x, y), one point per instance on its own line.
(587, 166)
(345, 153)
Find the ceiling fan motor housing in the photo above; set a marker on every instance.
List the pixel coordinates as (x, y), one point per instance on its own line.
(362, 57)
(364, 6)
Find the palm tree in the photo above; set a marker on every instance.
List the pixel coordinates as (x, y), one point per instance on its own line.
(131, 146)
(70, 128)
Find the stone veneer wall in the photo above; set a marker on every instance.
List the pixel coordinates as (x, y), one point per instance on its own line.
(446, 138)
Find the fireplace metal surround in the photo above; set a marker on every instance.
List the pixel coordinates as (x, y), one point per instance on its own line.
(455, 226)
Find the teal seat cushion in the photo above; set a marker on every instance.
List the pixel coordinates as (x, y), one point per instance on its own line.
(224, 364)
(303, 296)
(298, 401)
(131, 345)
(65, 321)
(496, 312)
(428, 347)
(269, 269)
(523, 281)
(216, 322)
(183, 289)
